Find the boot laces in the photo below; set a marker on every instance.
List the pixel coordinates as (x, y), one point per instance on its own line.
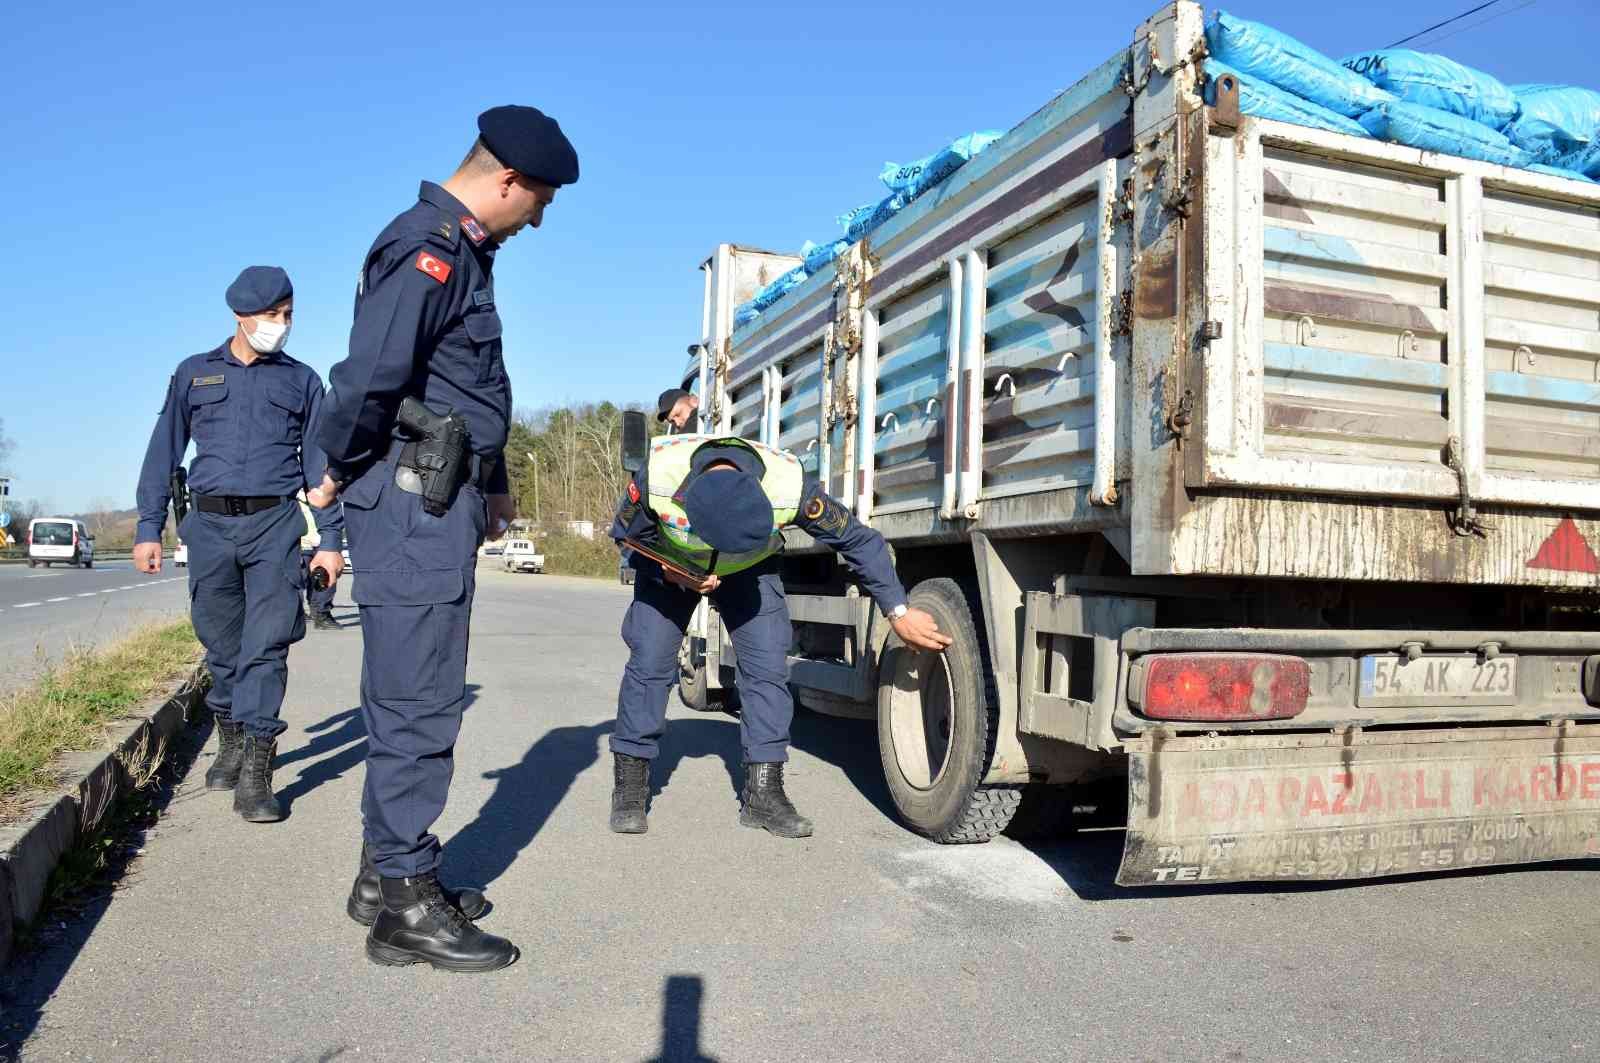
(438, 905)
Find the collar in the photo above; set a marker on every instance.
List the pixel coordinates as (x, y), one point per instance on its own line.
(741, 458)
(476, 233)
(225, 353)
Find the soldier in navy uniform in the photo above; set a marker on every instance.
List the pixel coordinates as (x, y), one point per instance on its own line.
(427, 328)
(250, 410)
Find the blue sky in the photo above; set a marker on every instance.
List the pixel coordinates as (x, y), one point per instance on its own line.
(156, 148)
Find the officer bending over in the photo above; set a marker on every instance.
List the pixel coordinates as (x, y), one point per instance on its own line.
(250, 410)
(719, 505)
(425, 353)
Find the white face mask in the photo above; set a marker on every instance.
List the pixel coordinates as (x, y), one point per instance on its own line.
(269, 337)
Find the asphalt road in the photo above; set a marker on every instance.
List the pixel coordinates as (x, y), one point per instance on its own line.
(45, 611)
(702, 940)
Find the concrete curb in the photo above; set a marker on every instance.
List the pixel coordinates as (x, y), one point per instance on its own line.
(94, 782)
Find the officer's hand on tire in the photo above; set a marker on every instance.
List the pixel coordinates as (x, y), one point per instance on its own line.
(705, 586)
(331, 562)
(147, 558)
(322, 496)
(920, 631)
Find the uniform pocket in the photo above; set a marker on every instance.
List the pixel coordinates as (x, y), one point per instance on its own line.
(206, 412)
(483, 329)
(288, 405)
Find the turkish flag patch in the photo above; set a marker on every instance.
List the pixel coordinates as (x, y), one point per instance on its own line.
(433, 266)
(633, 491)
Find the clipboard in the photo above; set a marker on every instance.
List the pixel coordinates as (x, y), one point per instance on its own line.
(686, 571)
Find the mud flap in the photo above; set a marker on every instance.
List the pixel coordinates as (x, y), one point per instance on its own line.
(1359, 805)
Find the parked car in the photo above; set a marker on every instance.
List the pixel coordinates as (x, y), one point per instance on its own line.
(180, 556)
(494, 549)
(53, 540)
(520, 556)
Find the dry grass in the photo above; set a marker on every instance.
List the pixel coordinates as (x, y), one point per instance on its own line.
(71, 704)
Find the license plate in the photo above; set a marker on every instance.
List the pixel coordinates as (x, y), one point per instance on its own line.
(1437, 679)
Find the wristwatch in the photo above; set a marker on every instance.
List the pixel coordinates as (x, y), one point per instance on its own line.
(898, 611)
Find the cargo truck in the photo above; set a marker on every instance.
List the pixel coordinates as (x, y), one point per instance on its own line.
(1256, 464)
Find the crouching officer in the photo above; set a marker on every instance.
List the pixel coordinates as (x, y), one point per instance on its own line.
(250, 410)
(414, 431)
(719, 505)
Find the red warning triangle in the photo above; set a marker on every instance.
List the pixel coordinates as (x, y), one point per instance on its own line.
(1565, 551)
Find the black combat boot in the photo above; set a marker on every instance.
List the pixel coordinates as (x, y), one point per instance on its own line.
(224, 771)
(325, 622)
(767, 806)
(629, 795)
(418, 925)
(366, 899)
(253, 798)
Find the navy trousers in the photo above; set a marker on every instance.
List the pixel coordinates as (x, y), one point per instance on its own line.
(245, 581)
(414, 583)
(752, 605)
(317, 602)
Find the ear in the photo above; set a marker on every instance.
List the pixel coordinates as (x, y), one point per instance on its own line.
(507, 180)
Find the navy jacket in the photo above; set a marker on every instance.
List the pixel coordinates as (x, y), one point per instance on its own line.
(253, 431)
(425, 326)
(820, 515)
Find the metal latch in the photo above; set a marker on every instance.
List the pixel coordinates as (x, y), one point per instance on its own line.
(1464, 519)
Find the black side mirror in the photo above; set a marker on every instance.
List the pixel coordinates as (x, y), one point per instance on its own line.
(635, 440)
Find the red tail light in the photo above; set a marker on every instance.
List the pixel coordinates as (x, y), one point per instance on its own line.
(1223, 686)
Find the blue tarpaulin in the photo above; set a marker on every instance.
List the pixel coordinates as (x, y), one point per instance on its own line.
(1281, 60)
(1265, 100)
(1435, 81)
(1431, 129)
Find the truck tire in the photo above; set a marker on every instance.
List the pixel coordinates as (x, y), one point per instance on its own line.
(695, 695)
(936, 728)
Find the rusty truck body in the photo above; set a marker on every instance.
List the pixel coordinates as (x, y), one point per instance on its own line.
(1256, 463)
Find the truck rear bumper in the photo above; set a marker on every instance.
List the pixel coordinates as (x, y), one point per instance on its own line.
(1360, 804)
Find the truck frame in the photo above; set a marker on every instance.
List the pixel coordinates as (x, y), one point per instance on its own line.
(1254, 463)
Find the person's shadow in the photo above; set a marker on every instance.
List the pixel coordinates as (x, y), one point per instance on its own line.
(682, 999)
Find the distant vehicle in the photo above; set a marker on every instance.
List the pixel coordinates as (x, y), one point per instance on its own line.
(492, 549)
(520, 556)
(53, 540)
(180, 556)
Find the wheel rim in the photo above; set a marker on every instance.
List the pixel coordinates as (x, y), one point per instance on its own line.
(921, 717)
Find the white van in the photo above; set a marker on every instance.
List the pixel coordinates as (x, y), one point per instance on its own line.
(522, 556)
(59, 540)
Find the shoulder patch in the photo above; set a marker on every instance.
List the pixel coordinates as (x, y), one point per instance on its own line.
(433, 266)
(815, 509)
(633, 491)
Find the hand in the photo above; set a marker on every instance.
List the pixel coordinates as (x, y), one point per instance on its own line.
(147, 558)
(323, 495)
(502, 511)
(918, 629)
(331, 562)
(705, 586)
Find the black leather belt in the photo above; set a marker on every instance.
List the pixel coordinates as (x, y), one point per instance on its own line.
(237, 505)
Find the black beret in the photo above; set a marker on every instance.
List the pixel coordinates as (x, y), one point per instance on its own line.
(729, 511)
(669, 398)
(529, 142)
(258, 288)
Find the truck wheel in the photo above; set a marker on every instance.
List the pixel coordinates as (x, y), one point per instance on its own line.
(935, 728)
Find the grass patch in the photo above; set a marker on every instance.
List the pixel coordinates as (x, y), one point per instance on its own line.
(573, 555)
(71, 704)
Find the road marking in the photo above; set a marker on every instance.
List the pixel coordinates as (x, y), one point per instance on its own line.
(26, 605)
(88, 594)
(129, 587)
(63, 599)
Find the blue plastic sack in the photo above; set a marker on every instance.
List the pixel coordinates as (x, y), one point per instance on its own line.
(1435, 81)
(1280, 60)
(744, 313)
(914, 178)
(1555, 120)
(1265, 100)
(1431, 129)
(1585, 160)
(1557, 171)
(861, 221)
(819, 257)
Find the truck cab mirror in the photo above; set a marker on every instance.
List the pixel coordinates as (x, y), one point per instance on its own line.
(635, 440)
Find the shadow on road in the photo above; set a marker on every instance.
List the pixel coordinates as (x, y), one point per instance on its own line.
(682, 1000)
